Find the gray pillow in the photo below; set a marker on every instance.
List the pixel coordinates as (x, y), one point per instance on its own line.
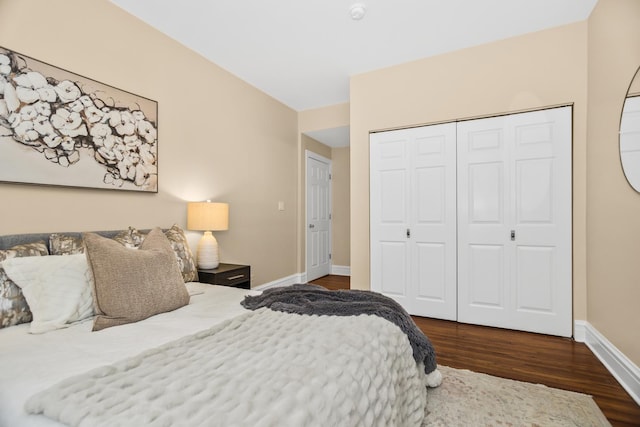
(13, 306)
(132, 238)
(62, 244)
(185, 259)
(134, 284)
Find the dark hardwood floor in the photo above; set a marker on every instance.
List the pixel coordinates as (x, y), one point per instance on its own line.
(553, 361)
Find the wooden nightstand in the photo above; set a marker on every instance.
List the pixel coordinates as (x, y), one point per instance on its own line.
(236, 275)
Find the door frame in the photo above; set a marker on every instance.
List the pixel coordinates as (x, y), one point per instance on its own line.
(313, 155)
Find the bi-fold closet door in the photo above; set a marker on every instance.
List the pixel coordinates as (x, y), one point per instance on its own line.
(471, 221)
(413, 218)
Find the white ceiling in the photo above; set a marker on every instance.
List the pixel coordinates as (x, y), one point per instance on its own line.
(333, 137)
(302, 52)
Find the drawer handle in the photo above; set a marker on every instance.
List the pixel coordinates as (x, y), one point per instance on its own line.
(239, 276)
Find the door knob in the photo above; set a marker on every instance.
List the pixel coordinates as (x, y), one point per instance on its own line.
(312, 226)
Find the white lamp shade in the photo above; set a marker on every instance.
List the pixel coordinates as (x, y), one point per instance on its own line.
(207, 216)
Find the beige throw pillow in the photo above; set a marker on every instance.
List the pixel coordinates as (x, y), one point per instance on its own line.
(132, 285)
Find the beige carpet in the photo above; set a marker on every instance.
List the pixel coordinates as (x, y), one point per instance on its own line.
(468, 398)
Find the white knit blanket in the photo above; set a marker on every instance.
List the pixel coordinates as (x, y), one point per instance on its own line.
(263, 368)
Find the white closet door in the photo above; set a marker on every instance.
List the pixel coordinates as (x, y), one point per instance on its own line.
(483, 222)
(433, 221)
(413, 227)
(389, 215)
(514, 221)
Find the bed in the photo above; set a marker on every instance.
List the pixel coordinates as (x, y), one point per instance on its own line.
(208, 362)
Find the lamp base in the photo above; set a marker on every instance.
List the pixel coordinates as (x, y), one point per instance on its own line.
(208, 251)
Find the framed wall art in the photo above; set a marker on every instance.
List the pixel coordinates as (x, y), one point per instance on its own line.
(60, 128)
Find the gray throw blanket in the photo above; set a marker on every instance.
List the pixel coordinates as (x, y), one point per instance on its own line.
(313, 299)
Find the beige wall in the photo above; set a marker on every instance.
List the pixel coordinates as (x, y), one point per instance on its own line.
(219, 138)
(332, 116)
(527, 72)
(316, 146)
(341, 191)
(613, 208)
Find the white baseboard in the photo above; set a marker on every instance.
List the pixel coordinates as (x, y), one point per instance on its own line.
(580, 330)
(621, 367)
(338, 270)
(341, 270)
(285, 281)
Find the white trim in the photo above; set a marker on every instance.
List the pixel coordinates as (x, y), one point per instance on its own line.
(341, 270)
(285, 281)
(580, 330)
(621, 367)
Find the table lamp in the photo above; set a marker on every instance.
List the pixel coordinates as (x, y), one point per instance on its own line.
(207, 217)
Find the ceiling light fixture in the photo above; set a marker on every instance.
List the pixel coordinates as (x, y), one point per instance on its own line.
(357, 11)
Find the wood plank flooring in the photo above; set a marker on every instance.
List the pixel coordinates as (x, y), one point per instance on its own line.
(553, 361)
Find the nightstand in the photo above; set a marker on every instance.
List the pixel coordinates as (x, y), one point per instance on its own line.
(236, 275)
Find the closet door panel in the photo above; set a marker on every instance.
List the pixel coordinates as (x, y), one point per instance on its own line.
(534, 270)
(486, 281)
(433, 221)
(389, 220)
(431, 272)
(413, 225)
(541, 212)
(392, 266)
(516, 201)
(430, 185)
(534, 192)
(483, 233)
(393, 206)
(485, 188)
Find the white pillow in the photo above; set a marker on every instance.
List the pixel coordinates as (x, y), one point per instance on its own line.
(58, 289)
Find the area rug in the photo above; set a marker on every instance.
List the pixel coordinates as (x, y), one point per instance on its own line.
(468, 398)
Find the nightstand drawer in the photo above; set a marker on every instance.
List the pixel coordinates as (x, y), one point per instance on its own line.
(232, 277)
(235, 275)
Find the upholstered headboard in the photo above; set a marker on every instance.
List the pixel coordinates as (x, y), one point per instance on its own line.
(11, 240)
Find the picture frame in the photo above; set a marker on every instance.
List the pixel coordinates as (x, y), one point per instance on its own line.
(60, 128)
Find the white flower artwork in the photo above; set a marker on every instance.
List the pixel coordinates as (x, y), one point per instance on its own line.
(59, 128)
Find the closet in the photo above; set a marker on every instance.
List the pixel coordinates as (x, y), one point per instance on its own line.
(471, 220)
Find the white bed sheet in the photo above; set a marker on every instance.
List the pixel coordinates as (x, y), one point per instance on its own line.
(31, 363)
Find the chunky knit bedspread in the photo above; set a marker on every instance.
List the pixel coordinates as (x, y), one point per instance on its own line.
(263, 368)
(314, 299)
